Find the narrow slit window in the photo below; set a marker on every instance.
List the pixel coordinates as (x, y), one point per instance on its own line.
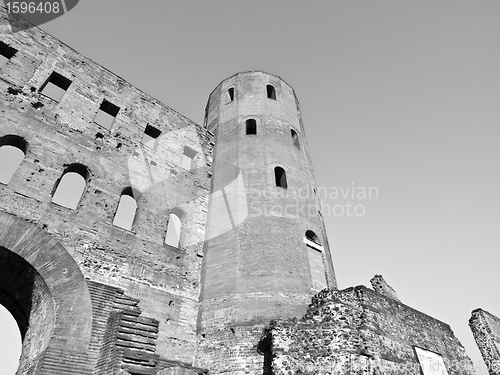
(271, 92)
(251, 126)
(127, 207)
(188, 158)
(150, 135)
(316, 265)
(230, 95)
(55, 86)
(106, 114)
(12, 152)
(295, 138)
(6, 53)
(280, 177)
(71, 186)
(173, 236)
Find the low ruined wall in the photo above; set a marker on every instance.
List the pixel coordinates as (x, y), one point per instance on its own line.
(486, 331)
(359, 331)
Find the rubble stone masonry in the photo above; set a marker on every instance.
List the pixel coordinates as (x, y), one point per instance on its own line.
(486, 331)
(359, 331)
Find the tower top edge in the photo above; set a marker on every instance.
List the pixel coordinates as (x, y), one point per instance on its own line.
(248, 73)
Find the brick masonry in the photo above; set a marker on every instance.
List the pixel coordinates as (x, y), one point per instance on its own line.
(61, 254)
(261, 265)
(93, 298)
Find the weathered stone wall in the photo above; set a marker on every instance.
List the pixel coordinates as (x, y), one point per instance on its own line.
(486, 331)
(358, 331)
(163, 279)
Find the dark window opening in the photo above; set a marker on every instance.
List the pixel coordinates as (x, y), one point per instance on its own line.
(59, 81)
(230, 95)
(6, 53)
(78, 168)
(311, 236)
(251, 126)
(280, 177)
(295, 138)
(55, 86)
(106, 114)
(15, 141)
(271, 92)
(150, 135)
(109, 108)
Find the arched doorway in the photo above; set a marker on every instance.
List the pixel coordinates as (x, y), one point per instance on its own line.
(24, 293)
(43, 288)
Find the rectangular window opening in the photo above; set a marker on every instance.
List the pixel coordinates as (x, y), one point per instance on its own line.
(6, 53)
(150, 135)
(55, 86)
(106, 114)
(188, 157)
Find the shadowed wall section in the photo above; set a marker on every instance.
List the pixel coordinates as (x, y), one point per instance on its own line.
(44, 289)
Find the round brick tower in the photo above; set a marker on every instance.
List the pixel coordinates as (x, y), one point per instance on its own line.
(266, 251)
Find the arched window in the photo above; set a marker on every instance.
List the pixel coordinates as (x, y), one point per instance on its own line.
(271, 92)
(230, 95)
(125, 214)
(312, 237)
(315, 255)
(71, 186)
(251, 126)
(173, 236)
(295, 138)
(12, 151)
(280, 177)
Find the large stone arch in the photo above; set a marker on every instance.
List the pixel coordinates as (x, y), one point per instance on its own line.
(44, 289)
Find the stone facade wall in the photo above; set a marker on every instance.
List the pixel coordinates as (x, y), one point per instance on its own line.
(358, 331)
(486, 331)
(163, 279)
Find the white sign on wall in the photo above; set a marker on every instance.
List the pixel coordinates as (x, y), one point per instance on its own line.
(430, 362)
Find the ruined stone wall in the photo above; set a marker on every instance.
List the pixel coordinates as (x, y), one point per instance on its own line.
(163, 279)
(486, 331)
(358, 331)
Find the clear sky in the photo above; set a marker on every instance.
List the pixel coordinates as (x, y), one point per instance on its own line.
(401, 96)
